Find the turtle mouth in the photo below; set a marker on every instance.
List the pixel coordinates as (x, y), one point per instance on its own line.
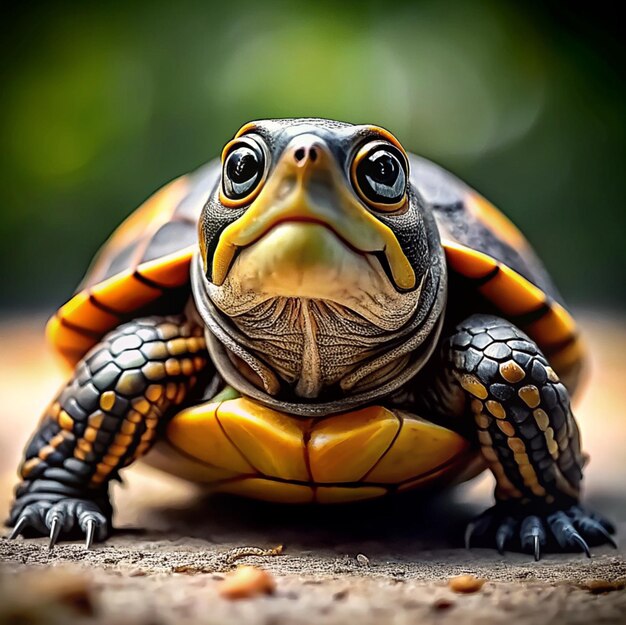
(306, 220)
(307, 258)
(379, 255)
(357, 239)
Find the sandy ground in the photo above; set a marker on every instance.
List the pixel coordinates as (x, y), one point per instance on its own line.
(382, 562)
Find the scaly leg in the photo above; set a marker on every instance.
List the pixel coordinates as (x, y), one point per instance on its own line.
(104, 418)
(527, 434)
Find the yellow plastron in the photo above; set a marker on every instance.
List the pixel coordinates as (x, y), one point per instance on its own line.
(242, 447)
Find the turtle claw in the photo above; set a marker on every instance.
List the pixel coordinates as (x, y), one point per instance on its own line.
(533, 536)
(537, 548)
(477, 528)
(63, 519)
(500, 542)
(22, 522)
(505, 533)
(566, 530)
(577, 538)
(90, 531)
(566, 535)
(596, 529)
(55, 530)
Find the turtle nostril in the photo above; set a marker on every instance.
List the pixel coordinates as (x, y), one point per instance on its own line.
(305, 154)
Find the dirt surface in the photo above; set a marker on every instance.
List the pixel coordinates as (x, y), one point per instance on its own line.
(381, 562)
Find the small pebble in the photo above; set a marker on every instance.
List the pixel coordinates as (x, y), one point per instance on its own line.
(362, 559)
(245, 582)
(443, 604)
(599, 586)
(466, 583)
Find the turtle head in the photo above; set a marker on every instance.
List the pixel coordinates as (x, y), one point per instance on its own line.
(316, 214)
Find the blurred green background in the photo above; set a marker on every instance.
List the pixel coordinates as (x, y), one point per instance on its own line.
(102, 103)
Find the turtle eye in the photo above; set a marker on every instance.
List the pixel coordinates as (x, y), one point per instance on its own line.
(379, 175)
(242, 171)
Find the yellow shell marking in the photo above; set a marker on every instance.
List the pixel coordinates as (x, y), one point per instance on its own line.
(269, 440)
(489, 214)
(333, 441)
(419, 447)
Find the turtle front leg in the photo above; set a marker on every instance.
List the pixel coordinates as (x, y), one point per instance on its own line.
(527, 434)
(106, 416)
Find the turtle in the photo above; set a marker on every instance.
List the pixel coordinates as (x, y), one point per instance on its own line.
(318, 316)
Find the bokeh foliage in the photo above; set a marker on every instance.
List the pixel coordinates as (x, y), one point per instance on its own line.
(101, 103)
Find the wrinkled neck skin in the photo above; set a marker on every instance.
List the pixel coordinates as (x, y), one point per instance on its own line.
(317, 337)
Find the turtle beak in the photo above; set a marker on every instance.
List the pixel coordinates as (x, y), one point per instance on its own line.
(308, 186)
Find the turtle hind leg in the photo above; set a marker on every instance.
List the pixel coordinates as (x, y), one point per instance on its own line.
(106, 416)
(528, 436)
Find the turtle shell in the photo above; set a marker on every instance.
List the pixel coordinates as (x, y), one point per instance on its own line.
(144, 266)
(142, 269)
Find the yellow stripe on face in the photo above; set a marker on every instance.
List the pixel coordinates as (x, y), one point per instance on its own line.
(289, 195)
